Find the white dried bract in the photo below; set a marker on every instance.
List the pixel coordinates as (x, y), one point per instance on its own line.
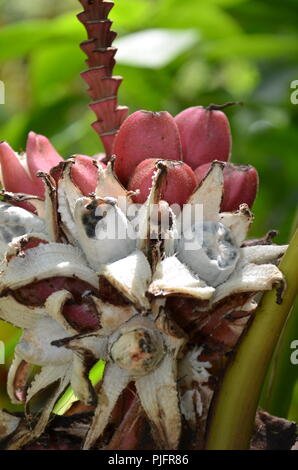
(128, 283)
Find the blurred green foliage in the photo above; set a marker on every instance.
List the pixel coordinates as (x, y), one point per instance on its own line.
(172, 54)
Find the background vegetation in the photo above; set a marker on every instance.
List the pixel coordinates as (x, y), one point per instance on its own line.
(173, 54)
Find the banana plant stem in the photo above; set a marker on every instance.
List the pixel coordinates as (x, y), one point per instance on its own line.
(231, 420)
(283, 373)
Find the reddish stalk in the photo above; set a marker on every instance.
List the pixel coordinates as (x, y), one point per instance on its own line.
(103, 86)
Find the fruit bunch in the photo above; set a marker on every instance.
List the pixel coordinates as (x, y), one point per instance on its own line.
(189, 142)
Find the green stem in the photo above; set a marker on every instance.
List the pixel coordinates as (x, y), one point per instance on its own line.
(281, 378)
(232, 418)
(283, 374)
(293, 412)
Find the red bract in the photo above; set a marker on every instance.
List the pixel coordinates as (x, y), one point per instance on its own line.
(41, 156)
(19, 172)
(180, 181)
(14, 176)
(205, 135)
(143, 135)
(240, 184)
(21, 178)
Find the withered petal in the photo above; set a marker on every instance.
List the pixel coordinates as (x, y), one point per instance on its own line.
(48, 375)
(35, 345)
(109, 186)
(50, 207)
(18, 314)
(131, 277)
(114, 382)
(159, 398)
(43, 262)
(145, 242)
(17, 379)
(172, 277)
(14, 222)
(9, 424)
(249, 278)
(112, 316)
(80, 382)
(209, 193)
(260, 254)
(68, 193)
(238, 222)
(102, 231)
(45, 378)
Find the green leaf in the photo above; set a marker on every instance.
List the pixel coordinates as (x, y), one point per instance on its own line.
(208, 18)
(228, 3)
(253, 46)
(130, 14)
(240, 76)
(143, 87)
(13, 130)
(10, 335)
(51, 68)
(18, 39)
(21, 38)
